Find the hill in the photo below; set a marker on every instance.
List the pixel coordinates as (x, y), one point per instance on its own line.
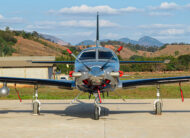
(86, 43)
(26, 47)
(143, 41)
(169, 50)
(54, 39)
(149, 41)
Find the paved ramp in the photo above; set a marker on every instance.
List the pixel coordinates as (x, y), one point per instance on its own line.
(59, 118)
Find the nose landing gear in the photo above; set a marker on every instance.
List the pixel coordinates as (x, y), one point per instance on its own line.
(97, 108)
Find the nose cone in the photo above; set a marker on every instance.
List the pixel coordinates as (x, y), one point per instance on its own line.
(96, 71)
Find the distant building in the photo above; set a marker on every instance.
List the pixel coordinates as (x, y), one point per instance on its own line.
(22, 67)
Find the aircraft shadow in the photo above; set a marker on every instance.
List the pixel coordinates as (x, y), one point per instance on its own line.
(86, 110)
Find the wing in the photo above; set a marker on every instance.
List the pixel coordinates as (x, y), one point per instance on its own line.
(127, 62)
(54, 62)
(67, 84)
(154, 81)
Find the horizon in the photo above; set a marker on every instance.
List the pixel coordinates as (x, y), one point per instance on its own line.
(75, 21)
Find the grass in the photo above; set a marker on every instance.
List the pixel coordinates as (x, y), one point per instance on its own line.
(146, 92)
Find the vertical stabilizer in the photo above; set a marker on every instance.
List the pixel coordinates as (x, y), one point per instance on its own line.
(97, 31)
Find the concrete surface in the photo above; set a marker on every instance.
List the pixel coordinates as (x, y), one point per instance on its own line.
(59, 119)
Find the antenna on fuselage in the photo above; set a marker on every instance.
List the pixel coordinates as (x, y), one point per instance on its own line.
(97, 31)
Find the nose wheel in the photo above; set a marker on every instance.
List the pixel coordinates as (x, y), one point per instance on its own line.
(97, 108)
(96, 113)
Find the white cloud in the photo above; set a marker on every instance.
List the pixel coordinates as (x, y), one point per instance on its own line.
(161, 26)
(172, 32)
(87, 23)
(88, 9)
(10, 20)
(131, 9)
(103, 9)
(166, 6)
(36, 26)
(1, 17)
(111, 35)
(83, 33)
(71, 23)
(187, 6)
(160, 14)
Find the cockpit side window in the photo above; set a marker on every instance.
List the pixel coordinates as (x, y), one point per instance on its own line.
(106, 55)
(88, 55)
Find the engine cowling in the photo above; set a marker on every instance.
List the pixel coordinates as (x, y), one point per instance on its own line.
(4, 91)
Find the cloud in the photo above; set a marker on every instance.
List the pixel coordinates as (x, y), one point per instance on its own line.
(1, 17)
(111, 35)
(71, 23)
(87, 9)
(161, 26)
(172, 32)
(160, 14)
(10, 20)
(166, 6)
(131, 9)
(103, 9)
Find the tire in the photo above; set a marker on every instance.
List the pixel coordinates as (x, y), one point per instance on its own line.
(36, 107)
(158, 110)
(96, 113)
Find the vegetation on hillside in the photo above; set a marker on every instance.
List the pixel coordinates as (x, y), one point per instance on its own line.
(181, 63)
(35, 37)
(7, 40)
(131, 46)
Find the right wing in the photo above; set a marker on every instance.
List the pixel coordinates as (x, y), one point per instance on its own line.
(54, 62)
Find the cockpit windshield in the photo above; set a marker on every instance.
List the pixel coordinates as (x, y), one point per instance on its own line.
(102, 55)
(88, 55)
(105, 55)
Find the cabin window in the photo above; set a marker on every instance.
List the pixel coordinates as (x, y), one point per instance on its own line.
(88, 55)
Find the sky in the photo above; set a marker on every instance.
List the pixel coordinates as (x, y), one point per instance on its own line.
(75, 20)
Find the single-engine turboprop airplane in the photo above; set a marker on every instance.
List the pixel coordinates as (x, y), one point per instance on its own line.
(96, 71)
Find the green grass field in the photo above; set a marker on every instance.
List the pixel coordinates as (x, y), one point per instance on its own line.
(146, 92)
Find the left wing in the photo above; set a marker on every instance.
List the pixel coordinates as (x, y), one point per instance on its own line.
(67, 84)
(127, 62)
(154, 81)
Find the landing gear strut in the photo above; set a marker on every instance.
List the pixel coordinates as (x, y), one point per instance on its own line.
(36, 103)
(158, 103)
(97, 108)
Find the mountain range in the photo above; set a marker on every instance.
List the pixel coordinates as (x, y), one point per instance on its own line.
(144, 41)
(54, 39)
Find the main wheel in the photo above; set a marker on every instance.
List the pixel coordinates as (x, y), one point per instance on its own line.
(36, 108)
(96, 113)
(158, 108)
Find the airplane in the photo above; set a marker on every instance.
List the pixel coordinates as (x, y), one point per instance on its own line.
(97, 70)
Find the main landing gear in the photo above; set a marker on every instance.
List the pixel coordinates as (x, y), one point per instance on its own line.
(97, 108)
(158, 103)
(36, 103)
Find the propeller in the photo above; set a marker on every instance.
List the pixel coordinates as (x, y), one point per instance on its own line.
(118, 50)
(71, 53)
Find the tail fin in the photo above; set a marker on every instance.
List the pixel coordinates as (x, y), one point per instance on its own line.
(97, 31)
